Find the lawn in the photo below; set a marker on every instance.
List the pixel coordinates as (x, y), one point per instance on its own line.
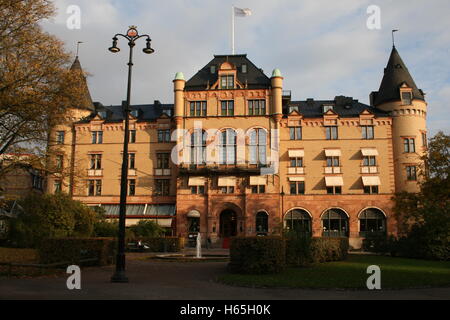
(396, 273)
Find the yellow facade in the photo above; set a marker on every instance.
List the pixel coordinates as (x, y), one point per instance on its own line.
(199, 191)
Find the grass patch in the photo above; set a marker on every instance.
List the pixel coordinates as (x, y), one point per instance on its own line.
(396, 273)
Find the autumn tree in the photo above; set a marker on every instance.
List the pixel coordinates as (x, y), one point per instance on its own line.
(37, 87)
(426, 214)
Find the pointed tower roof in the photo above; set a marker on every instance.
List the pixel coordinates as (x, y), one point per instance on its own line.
(86, 103)
(395, 75)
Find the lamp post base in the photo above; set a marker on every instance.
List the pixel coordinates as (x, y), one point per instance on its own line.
(119, 277)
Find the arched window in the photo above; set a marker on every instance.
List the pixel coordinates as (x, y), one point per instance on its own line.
(262, 223)
(198, 147)
(298, 220)
(227, 147)
(372, 222)
(335, 223)
(257, 146)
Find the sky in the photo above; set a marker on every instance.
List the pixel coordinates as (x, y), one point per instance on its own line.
(323, 48)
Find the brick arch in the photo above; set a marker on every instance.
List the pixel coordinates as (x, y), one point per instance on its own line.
(372, 207)
(229, 206)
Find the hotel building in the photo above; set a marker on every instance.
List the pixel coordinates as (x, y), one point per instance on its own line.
(236, 155)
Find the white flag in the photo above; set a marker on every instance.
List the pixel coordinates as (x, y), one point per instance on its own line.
(242, 12)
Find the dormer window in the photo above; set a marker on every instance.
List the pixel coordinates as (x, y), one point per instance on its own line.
(227, 82)
(244, 68)
(327, 108)
(406, 98)
(103, 114)
(135, 113)
(212, 69)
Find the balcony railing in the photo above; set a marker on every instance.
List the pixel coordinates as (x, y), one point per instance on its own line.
(335, 170)
(296, 170)
(162, 172)
(201, 170)
(95, 172)
(369, 169)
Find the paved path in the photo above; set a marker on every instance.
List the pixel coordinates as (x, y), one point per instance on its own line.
(174, 280)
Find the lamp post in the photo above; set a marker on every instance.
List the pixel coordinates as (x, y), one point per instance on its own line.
(132, 35)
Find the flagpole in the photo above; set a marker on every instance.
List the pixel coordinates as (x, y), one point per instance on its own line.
(232, 30)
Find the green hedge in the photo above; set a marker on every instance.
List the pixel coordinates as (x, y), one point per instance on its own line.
(415, 246)
(163, 244)
(257, 255)
(304, 251)
(75, 249)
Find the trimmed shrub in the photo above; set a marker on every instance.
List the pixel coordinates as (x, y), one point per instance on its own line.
(75, 249)
(329, 249)
(304, 251)
(104, 228)
(162, 244)
(50, 216)
(257, 255)
(147, 229)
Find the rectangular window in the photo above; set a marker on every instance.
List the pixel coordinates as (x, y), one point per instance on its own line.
(332, 133)
(164, 135)
(227, 82)
(59, 162)
(162, 187)
(227, 190)
(334, 190)
(60, 137)
(256, 107)
(296, 162)
(132, 187)
(295, 133)
(371, 189)
(406, 98)
(198, 109)
(297, 187)
(57, 186)
(96, 162)
(198, 189)
(131, 161)
(409, 145)
(259, 189)
(368, 132)
(132, 136)
(95, 188)
(424, 140)
(411, 173)
(369, 161)
(97, 137)
(333, 162)
(162, 160)
(227, 108)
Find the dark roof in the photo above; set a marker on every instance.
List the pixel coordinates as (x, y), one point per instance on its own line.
(86, 102)
(254, 77)
(395, 74)
(146, 112)
(343, 106)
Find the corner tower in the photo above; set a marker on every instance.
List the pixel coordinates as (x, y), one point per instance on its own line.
(399, 95)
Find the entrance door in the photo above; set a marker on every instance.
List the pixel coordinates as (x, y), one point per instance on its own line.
(228, 226)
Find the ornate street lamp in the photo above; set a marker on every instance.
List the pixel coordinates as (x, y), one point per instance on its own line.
(132, 35)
